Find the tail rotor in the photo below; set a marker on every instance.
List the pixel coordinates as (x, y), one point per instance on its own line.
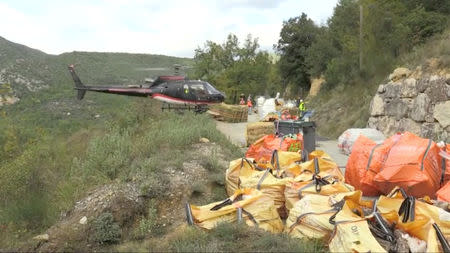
(78, 84)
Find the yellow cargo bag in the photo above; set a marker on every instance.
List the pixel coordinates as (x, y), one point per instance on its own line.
(281, 160)
(319, 154)
(267, 184)
(310, 216)
(418, 219)
(233, 172)
(256, 209)
(294, 191)
(354, 236)
(422, 209)
(317, 165)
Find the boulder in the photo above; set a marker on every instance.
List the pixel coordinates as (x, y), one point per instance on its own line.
(442, 113)
(437, 92)
(410, 125)
(408, 89)
(43, 237)
(428, 130)
(377, 106)
(83, 221)
(420, 107)
(392, 90)
(399, 73)
(396, 108)
(203, 140)
(387, 125)
(423, 84)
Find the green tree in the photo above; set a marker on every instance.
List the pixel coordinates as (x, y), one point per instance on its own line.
(296, 37)
(234, 68)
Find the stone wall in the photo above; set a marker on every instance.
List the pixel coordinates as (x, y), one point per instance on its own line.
(413, 101)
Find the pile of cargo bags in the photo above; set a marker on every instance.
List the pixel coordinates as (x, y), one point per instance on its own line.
(277, 188)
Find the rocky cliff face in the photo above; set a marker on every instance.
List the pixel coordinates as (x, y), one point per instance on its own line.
(417, 101)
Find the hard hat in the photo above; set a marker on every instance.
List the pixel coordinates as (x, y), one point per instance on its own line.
(301, 100)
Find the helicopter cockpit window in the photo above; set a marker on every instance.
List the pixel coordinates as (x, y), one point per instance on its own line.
(211, 89)
(198, 89)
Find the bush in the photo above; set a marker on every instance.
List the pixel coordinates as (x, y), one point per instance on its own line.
(147, 225)
(106, 231)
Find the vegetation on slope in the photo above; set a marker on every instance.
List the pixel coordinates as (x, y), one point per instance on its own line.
(46, 178)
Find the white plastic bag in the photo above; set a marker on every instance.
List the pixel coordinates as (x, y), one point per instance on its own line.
(346, 140)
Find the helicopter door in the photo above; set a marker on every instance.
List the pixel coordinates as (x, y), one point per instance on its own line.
(199, 91)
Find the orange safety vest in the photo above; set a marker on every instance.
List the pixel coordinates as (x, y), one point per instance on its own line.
(249, 103)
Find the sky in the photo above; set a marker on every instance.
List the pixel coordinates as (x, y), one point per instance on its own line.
(168, 27)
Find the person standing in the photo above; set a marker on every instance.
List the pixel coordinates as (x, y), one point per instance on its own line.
(242, 99)
(250, 105)
(301, 108)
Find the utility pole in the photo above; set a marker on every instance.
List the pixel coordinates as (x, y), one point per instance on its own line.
(360, 36)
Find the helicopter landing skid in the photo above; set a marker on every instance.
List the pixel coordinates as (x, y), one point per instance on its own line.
(180, 108)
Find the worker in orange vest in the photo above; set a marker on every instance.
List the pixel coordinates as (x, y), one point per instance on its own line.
(250, 105)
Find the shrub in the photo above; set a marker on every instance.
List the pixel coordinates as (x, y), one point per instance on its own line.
(147, 225)
(106, 231)
(198, 188)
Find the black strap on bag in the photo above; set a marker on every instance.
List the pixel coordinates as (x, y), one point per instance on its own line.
(382, 224)
(251, 217)
(371, 156)
(408, 206)
(426, 153)
(258, 186)
(275, 161)
(337, 207)
(444, 168)
(189, 217)
(444, 243)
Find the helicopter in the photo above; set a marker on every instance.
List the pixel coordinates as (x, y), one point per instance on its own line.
(176, 91)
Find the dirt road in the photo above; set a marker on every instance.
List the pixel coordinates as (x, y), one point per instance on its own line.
(236, 134)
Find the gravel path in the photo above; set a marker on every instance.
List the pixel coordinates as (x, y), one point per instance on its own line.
(236, 134)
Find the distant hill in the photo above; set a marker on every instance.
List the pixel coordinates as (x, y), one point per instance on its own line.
(25, 70)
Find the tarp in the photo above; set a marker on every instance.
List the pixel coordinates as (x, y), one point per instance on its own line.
(257, 210)
(263, 148)
(413, 164)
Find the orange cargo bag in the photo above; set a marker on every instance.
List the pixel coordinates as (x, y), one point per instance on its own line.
(365, 161)
(263, 148)
(444, 193)
(413, 163)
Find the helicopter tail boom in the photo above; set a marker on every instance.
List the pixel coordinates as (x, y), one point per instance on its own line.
(78, 84)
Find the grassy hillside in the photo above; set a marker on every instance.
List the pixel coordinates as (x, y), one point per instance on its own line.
(43, 133)
(47, 100)
(347, 106)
